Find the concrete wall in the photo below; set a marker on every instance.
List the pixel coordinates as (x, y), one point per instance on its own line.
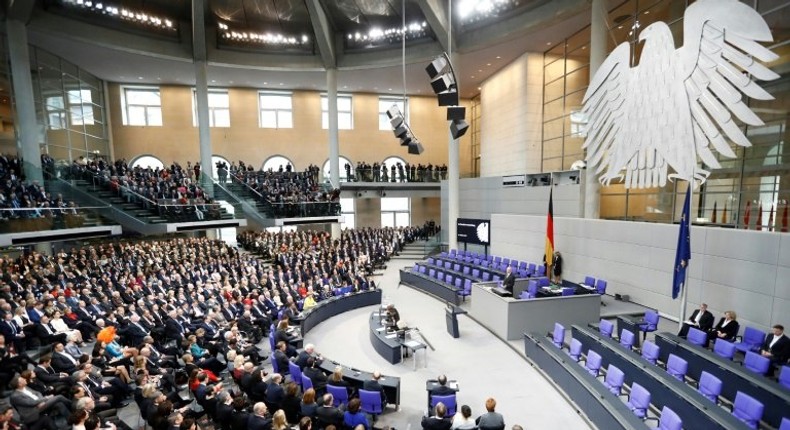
(741, 270)
(511, 120)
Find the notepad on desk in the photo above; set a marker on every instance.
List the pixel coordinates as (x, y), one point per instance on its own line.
(391, 336)
(381, 329)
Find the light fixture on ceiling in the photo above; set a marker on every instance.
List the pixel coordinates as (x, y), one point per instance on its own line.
(471, 11)
(243, 36)
(391, 35)
(110, 10)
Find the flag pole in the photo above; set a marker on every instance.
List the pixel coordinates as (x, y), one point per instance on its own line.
(684, 289)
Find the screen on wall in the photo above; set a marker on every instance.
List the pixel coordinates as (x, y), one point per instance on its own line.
(474, 231)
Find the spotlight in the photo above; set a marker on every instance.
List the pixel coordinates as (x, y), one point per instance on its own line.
(456, 113)
(458, 128)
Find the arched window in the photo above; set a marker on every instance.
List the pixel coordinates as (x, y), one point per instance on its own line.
(275, 162)
(216, 159)
(145, 161)
(393, 161)
(343, 162)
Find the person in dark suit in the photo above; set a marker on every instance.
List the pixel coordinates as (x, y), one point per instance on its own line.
(375, 385)
(727, 328)
(281, 358)
(510, 280)
(174, 329)
(258, 420)
(329, 415)
(304, 355)
(224, 410)
(13, 333)
(442, 389)
(62, 361)
(700, 319)
(438, 420)
(776, 348)
(47, 333)
(316, 375)
(30, 404)
(275, 392)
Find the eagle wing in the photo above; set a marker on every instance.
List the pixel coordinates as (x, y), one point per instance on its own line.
(720, 44)
(605, 106)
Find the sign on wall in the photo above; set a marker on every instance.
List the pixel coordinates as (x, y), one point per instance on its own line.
(514, 181)
(474, 231)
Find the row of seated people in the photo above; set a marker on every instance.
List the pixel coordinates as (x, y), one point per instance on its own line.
(20, 199)
(290, 194)
(366, 172)
(745, 407)
(172, 191)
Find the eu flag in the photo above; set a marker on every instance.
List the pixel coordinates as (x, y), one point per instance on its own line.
(683, 254)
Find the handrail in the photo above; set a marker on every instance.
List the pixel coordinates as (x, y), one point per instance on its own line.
(247, 186)
(95, 176)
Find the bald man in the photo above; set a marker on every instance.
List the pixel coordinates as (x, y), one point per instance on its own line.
(375, 385)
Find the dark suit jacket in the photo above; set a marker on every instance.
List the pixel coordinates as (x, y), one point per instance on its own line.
(329, 415)
(173, 331)
(274, 394)
(282, 362)
(442, 390)
(62, 364)
(239, 420)
(731, 330)
(223, 416)
(301, 359)
(706, 322)
(780, 350)
(259, 423)
(317, 377)
(508, 282)
(435, 423)
(373, 385)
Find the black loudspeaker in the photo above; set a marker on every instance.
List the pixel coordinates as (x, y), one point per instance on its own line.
(456, 113)
(458, 128)
(400, 130)
(406, 139)
(436, 67)
(415, 147)
(450, 98)
(396, 121)
(442, 84)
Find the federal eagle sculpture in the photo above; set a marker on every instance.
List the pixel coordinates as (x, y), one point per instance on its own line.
(677, 105)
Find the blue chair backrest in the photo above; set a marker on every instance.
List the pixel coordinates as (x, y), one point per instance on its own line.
(505, 261)
(476, 261)
(467, 285)
(497, 278)
(449, 279)
(697, 337)
(476, 273)
(497, 259)
(432, 273)
(589, 281)
(423, 269)
(710, 386)
(532, 288)
(531, 268)
(559, 335)
(443, 254)
(541, 270)
(486, 276)
(650, 351)
(296, 372)
(466, 270)
(416, 268)
(785, 425)
(524, 295)
(639, 400)
(448, 401)
(747, 409)
(440, 276)
(575, 349)
(431, 261)
(724, 349)
(600, 286)
(567, 291)
(593, 362)
(370, 401)
(485, 263)
(522, 265)
(307, 383)
(340, 394)
(627, 339)
(669, 420)
(615, 378)
(606, 327)
(458, 282)
(651, 320)
(543, 282)
(453, 251)
(756, 363)
(677, 367)
(784, 376)
(753, 337)
(490, 258)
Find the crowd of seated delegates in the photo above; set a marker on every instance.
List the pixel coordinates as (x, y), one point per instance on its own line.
(174, 189)
(148, 304)
(365, 172)
(28, 200)
(290, 194)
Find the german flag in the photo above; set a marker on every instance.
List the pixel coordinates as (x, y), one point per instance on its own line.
(550, 234)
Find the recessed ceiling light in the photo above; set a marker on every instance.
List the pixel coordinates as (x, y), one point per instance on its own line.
(389, 89)
(619, 27)
(375, 88)
(345, 86)
(213, 81)
(158, 78)
(548, 43)
(647, 12)
(230, 82)
(498, 57)
(139, 77)
(265, 83)
(281, 84)
(472, 76)
(584, 47)
(488, 64)
(479, 88)
(480, 70)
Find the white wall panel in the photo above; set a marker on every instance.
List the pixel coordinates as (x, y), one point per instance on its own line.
(746, 271)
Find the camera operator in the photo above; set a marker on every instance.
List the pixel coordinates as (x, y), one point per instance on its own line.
(222, 171)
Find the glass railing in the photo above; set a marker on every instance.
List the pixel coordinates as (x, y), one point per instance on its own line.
(387, 175)
(19, 220)
(295, 209)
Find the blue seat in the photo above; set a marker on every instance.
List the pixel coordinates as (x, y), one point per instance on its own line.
(497, 260)
(600, 286)
(458, 283)
(677, 367)
(431, 260)
(747, 409)
(448, 401)
(593, 363)
(476, 273)
(506, 261)
(709, 386)
(370, 402)
(669, 420)
(490, 258)
(443, 254)
(650, 351)
(440, 276)
(752, 340)
(541, 271)
(453, 252)
(589, 281)
(497, 278)
(466, 270)
(650, 323)
(467, 290)
(785, 424)
(784, 376)
(476, 261)
(756, 363)
(486, 276)
(531, 268)
(724, 349)
(449, 279)
(522, 265)
(615, 378)
(307, 383)
(295, 371)
(339, 394)
(566, 291)
(558, 336)
(626, 339)
(697, 337)
(423, 269)
(575, 350)
(532, 289)
(639, 400)
(432, 273)
(606, 327)
(457, 267)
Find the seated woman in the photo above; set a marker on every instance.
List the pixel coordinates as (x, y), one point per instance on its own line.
(282, 335)
(354, 417)
(727, 328)
(336, 380)
(60, 326)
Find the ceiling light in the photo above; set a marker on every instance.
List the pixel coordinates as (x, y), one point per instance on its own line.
(647, 12)
(548, 43)
(488, 64)
(472, 77)
(498, 57)
(139, 77)
(479, 88)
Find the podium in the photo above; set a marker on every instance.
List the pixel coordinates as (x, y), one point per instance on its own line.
(451, 313)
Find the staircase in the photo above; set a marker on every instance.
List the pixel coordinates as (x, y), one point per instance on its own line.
(417, 250)
(243, 203)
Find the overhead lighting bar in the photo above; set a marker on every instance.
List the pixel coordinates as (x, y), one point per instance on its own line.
(268, 38)
(476, 10)
(117, 11)
(415, 30)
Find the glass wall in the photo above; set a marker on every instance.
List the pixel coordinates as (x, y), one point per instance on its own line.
(749, 191)
(69, 108)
